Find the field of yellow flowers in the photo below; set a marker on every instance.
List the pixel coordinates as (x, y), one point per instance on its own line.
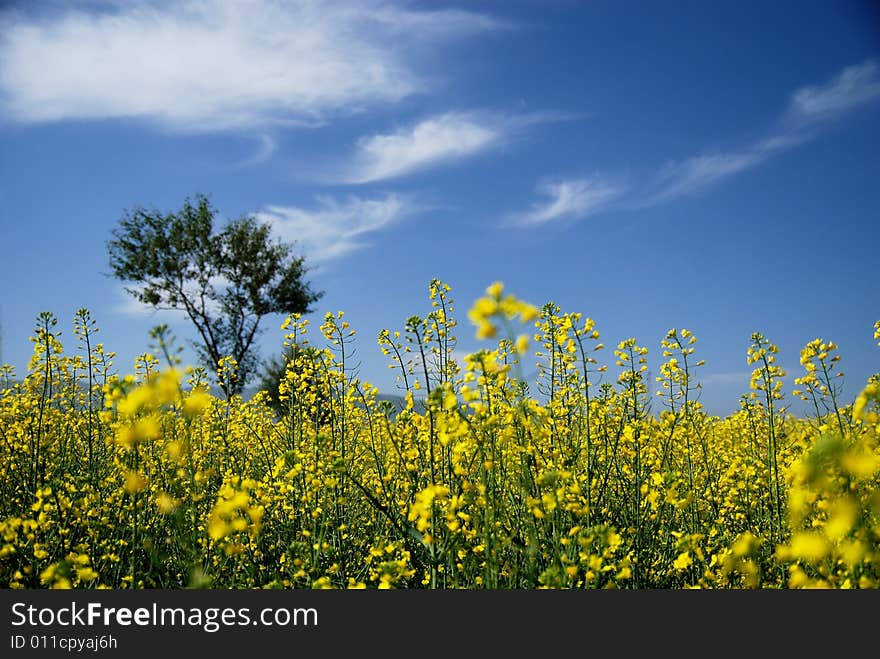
(590, 477)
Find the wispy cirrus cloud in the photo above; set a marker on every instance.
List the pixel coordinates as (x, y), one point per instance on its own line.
(693, 174)
(265, 148)
(335, 228)
(214, 65)
(853, 86)
(570, 198)
(432, 141)
(809, 107)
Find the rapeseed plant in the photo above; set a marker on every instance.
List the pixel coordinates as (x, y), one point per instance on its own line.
(157, 478)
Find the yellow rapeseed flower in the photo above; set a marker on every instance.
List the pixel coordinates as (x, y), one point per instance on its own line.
(809, 546)
(683, 562)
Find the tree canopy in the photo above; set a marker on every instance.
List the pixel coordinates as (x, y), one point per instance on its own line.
(226, 279)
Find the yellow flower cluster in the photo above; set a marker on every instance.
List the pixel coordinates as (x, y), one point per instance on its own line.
(235, 512)
(496, 306)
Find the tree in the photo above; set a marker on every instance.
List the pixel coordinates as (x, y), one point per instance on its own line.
(274, 369)
(226, 281)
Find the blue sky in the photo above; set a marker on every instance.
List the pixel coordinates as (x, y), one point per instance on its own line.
(709, 166)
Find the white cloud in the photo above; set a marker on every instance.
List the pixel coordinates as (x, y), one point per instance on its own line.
(694, 174)
(334, 229)
(131, 306)
(434, 140)
(573, 198)
(853, 86)
(264, 151)
(208, 65)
